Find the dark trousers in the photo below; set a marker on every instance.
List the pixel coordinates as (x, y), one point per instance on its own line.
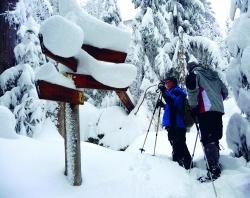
(210, 127)
(177, 139)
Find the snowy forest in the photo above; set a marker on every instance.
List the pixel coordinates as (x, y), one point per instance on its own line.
(113, 138)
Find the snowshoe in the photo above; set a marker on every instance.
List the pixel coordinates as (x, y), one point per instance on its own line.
(205, 179)
(211, 176)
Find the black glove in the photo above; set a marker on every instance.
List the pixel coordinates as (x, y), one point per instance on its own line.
(159, 103)
(161, 86)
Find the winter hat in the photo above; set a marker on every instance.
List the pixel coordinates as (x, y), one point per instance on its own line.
(173, 79)
(191, 65)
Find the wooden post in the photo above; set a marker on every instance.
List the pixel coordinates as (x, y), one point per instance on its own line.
(73, 146)
(61, 125)
(61, 119)
(69, 127)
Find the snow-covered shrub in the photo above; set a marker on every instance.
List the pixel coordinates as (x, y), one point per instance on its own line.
(20, 96)
(7, 123)
(238, 136)
(110, 127)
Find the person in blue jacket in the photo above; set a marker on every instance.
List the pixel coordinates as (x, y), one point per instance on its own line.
(173, 120)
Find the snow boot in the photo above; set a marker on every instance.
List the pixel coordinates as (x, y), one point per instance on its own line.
(212, 175)
(212, 155)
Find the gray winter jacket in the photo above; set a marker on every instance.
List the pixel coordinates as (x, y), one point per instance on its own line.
(209, 91)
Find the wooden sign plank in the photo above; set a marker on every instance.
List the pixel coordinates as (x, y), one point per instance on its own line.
(59, 93)
(98, 53)
(105, 54)
(86, 81)
(125, 100)
(70, 62)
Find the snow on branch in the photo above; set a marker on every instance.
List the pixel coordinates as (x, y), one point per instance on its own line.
(205, 50)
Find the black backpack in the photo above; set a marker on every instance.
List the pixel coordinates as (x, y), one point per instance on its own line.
(187, 115)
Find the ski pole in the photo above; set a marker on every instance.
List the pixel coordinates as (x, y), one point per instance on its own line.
(207, 164)
(144, 95)
(158, 123)
(192, 158)
(142, 149)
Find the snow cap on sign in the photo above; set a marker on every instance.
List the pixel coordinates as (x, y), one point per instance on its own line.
(61, 36)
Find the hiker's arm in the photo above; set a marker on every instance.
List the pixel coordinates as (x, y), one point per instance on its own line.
(168, 98)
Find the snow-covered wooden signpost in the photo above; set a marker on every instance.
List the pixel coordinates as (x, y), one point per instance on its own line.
(95, 62)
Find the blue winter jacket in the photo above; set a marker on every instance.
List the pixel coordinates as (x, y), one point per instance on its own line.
(177, 95)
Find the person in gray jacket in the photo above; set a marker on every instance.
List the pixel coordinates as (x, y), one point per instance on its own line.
(206, 93)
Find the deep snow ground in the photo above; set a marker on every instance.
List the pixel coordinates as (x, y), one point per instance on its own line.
(34, 168)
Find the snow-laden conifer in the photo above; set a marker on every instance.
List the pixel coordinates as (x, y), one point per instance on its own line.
(18, 91)
(168, 34)
(238, 76)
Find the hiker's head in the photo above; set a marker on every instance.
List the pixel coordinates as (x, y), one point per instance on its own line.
(171, 82)
(191, 66)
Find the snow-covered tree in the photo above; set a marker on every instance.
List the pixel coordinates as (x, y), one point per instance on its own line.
(105, 10)
(111, 13)
(238, 75)
(29, 50)
(193, 26)
(168, 34)
(39, 10)
(18, 91)
(94, 7)
(150, 33)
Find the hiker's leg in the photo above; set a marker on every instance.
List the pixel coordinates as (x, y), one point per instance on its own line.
(211, 132)
(184, 152)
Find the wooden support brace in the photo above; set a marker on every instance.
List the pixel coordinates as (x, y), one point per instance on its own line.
(125, 100)
(59, 93)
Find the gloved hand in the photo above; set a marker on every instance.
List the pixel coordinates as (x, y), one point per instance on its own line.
(195, 111)
(161, 86)
(159, 103)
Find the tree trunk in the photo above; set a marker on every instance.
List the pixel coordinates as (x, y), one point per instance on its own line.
(7, 36)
